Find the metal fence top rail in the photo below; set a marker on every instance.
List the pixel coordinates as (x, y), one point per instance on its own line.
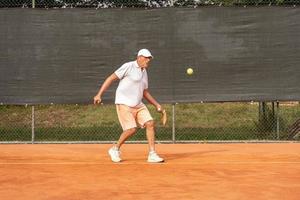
(141, 3)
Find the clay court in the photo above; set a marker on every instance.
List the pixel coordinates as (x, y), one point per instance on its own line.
(191, 171)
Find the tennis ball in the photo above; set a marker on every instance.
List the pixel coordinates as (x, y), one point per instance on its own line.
(189, 71)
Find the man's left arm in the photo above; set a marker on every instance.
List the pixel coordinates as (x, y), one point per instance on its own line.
(151, 100)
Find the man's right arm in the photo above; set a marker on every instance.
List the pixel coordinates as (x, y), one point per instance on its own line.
(108, 81)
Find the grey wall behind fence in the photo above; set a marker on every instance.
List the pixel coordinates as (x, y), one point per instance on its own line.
(238, 54)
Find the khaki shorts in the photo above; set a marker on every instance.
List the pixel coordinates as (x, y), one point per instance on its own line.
(132, 117)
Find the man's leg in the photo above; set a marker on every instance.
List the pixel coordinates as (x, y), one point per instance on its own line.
(150, 131)
(124, 136)
(127, 121)
(114, 151)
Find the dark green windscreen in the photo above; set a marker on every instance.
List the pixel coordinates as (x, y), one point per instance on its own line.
(238, 54)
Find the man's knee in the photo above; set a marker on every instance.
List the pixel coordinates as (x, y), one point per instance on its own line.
(150, 124)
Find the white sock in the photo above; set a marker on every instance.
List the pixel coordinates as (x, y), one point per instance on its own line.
(151, 151)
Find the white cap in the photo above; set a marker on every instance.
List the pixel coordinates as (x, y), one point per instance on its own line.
(145, 53)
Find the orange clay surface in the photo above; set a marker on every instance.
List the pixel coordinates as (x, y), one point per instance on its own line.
(191, 171)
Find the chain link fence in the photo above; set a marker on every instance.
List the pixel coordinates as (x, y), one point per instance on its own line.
(137, 3)
(197, 122)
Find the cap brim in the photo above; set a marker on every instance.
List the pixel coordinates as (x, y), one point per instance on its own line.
(147, 56)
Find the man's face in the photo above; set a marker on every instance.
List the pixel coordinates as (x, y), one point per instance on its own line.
(144, 62)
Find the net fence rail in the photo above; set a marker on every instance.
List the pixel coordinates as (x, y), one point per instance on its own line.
(137, 3)
(239, 121)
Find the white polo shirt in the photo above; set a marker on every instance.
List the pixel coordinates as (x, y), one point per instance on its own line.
(133, 82)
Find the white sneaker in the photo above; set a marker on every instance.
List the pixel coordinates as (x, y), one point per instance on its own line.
(154, 158)
(114, 154)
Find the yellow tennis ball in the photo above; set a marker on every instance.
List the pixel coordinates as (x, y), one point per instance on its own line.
(190, 71)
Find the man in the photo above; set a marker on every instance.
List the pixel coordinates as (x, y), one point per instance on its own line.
(132, 112)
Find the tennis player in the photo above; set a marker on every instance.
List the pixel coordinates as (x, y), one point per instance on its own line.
(132, 112)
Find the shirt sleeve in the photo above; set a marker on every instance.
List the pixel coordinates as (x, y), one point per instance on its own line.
(122, 71)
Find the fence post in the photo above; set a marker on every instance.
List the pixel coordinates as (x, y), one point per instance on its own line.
(33, 3)
(277, 120)
(171, 3)
(32, 124)
(173, 123)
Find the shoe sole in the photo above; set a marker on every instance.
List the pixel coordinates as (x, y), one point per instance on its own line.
(153, 161)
